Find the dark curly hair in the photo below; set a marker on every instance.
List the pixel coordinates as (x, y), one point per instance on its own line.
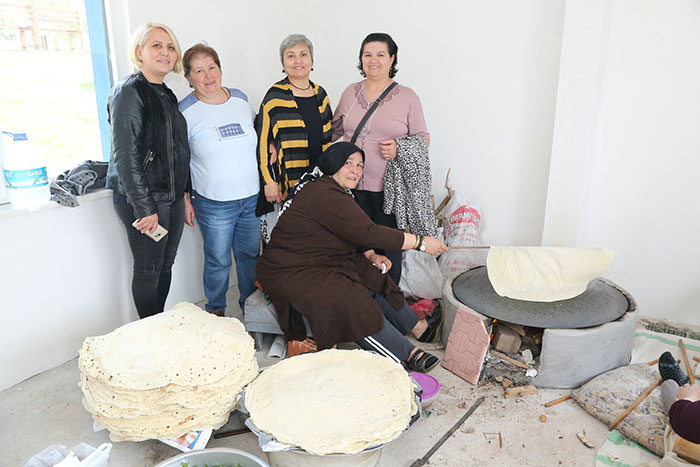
(390, 44)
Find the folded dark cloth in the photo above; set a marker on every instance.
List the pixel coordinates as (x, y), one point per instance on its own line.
(87, 176)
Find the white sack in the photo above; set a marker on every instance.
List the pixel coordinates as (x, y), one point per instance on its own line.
(421, 276)
(462, 228)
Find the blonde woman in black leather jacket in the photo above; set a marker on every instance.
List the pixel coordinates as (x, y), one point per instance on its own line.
(149, 163)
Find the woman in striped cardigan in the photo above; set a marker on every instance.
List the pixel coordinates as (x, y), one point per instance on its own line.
(293, 124)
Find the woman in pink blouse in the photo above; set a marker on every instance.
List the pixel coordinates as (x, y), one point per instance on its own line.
(399, 114)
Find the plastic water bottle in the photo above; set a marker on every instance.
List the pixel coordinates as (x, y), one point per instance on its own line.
(25, 172)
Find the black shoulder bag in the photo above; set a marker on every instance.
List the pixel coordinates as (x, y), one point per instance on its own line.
(371, 110)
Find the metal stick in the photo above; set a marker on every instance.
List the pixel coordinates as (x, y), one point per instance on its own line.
(450, 432)
(224, 434)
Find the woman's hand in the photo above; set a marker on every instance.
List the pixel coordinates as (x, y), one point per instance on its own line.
(148, 223)
(189, 211)
(380, 261)
(689, 391)
(273, 153)
(433, 246)
(387, 149)
(273, 193)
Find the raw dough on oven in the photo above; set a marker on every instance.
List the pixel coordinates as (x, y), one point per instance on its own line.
(545, 274)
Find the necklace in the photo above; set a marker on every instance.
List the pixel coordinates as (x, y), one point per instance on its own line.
(301, 89)
(216, 99)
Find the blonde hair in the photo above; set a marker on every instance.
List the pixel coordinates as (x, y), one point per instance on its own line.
(139, 39)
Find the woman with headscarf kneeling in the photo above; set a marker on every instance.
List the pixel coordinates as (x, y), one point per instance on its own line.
(313, 267)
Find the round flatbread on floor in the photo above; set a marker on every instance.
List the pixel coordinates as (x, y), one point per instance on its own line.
(332, 402)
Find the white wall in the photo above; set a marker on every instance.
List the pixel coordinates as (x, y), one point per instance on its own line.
(569, 126)
(625, 157)
(66, 274)
(486, 73)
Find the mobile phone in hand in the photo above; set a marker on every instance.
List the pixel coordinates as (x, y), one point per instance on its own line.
(157, 234)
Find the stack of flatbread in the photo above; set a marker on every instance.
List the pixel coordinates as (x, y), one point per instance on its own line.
(162, 376)
(332, 402)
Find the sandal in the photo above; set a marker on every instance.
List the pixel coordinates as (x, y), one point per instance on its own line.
(434, 325)
(422, 361)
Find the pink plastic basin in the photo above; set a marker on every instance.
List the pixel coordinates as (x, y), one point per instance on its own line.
(431, 387)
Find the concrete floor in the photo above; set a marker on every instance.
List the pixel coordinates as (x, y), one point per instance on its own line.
(46, 409)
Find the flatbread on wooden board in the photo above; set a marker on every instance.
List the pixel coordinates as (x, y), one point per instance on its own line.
(545, 274)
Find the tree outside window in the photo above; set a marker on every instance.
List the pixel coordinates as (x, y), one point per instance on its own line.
(47, 89)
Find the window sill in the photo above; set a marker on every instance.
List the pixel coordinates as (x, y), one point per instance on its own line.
(8, 210)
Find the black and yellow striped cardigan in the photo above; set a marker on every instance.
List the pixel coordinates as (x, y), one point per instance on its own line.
(280, 122)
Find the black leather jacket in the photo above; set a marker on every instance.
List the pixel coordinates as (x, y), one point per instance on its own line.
(150, 155)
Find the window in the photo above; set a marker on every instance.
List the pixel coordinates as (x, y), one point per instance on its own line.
(52, 68)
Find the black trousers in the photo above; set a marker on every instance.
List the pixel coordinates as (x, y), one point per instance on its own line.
(153, 261)
(372, 203)
(391, 341)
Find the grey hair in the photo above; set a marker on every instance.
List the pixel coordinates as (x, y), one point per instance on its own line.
(292, 40)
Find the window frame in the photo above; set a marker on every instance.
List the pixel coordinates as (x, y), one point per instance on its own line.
(101, 69)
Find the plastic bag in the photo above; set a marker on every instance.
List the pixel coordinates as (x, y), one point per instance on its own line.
(80, 455)
(268, 222)
(462, 228)
(420, 275)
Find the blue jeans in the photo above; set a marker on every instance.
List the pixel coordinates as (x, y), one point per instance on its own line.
(226, 226)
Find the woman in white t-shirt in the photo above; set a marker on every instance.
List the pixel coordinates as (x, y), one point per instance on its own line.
(222, 138)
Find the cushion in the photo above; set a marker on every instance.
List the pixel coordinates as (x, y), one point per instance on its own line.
(608, 395)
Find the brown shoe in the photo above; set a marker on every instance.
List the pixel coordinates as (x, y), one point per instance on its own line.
(218, 312)
(295, 348)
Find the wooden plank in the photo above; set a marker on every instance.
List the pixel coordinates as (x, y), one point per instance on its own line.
(519, 328)
(687, 450)
(581, 435)
(635, 404)
(691, 376)
(505, 357)
(520, 391)
(538, 337)
(556, 401)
